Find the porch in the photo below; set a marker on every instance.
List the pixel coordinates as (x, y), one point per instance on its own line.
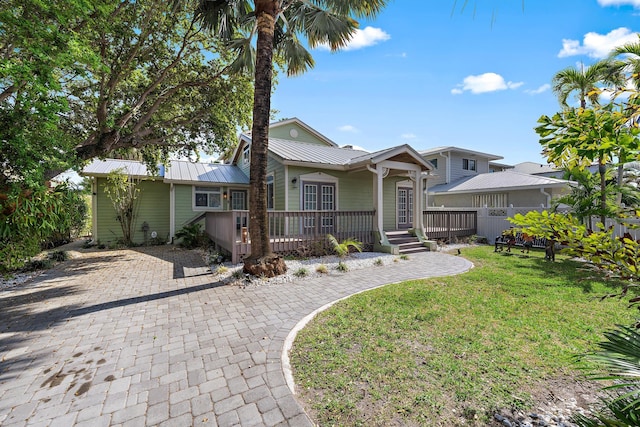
(290, 232)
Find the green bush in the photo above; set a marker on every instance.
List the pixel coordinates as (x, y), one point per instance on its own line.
(32, 218)
(192, 236)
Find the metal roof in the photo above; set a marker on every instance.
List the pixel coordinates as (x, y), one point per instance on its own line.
(505, 180)
(296, 151)
(184, 171)
(534, 168)
(103, 167)
(437, 150)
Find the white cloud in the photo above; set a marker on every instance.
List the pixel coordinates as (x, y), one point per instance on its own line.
(408, 136)
(634, 3)
(349, 128)
(598, 45)
(545, 87)
(487, 82)
(369, 36)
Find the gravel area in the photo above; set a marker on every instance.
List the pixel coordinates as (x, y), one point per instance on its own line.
(314, 267)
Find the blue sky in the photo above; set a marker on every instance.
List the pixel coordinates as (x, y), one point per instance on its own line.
(437, 75)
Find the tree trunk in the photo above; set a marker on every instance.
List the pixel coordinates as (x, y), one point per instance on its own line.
(262, 261)
(602, 170)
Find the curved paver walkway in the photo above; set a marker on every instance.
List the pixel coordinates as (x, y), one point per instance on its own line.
(146, 338)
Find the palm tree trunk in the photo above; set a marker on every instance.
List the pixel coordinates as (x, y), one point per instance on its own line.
(261, 261)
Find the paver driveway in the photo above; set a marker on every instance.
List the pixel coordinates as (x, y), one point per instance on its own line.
(148, 337)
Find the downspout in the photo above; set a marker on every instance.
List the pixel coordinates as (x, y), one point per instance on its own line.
(172, 213)
(548, 197)
(448, 164)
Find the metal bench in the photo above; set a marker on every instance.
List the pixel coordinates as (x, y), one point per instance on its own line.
(518, 241)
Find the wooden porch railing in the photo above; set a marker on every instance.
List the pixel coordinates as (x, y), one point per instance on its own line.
(288, 230)
(448, 224)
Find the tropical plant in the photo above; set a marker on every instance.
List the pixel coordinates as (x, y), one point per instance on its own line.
(29, 217)
(123, 191)
(192, 236)
(583, 196)
(586, 82)
(343, 248)
(577, 137)
(278, 26)
(618, 359)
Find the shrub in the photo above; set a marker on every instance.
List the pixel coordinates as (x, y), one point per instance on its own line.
(192, 236)
(342, 267)
(404, 257)
(322, 269)
(58, 256)
(378, 262)
(342, 248)
(221, 269)
(301, 272)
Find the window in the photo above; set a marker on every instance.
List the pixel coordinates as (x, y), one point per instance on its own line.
(207, 197)
(468, 164)
(434, 162)
(270, 192)
(246, 153)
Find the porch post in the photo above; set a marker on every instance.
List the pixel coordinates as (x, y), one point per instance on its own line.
(379, 172)
(172, 212)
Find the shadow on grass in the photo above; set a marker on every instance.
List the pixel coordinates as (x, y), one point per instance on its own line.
(568, 271)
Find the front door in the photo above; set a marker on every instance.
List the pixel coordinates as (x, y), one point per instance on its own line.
(239, 203)
(405, 207)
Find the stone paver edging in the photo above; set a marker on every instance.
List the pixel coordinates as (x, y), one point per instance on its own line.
(147, 337)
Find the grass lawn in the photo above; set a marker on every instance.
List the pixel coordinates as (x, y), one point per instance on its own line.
(451, 350)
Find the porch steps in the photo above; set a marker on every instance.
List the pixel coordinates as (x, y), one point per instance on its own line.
(407, 244)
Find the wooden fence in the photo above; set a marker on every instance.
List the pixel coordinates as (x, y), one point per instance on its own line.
(289, 231)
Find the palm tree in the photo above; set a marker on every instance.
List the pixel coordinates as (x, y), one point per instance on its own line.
(277, 25)
(586, 82)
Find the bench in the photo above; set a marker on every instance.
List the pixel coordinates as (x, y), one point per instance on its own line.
(517, 240)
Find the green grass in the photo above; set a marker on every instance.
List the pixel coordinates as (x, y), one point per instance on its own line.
(449, 351)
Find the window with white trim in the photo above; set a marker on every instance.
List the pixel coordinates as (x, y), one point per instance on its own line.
(207, 198)
(469, 164)
(270, 192)
(246, 154)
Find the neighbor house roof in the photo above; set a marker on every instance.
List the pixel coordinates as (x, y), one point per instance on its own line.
(103, 167)
(534, 168)
(498, 181)
(437, 150)
(194, 173)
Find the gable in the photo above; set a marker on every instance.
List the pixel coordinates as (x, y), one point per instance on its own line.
(296, 130)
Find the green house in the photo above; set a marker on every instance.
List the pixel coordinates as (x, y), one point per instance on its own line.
(314, 187)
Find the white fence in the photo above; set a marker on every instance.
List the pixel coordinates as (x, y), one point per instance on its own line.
(493, 221)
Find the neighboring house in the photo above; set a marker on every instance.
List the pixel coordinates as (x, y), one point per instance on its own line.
(539, 169)
(314, 187)
(471, 179)
(497, 190)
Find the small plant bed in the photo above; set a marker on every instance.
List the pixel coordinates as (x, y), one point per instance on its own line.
(306, 268)
(456, 350)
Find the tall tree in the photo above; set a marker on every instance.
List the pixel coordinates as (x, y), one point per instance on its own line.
(578, 137)
(96, 77)
(277, 26)
(585, 82)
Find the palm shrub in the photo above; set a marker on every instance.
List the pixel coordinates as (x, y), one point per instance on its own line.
(342, 248)
(192, 236)
(618, 358)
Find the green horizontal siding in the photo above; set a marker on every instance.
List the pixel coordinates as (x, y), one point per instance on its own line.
(153, 209)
